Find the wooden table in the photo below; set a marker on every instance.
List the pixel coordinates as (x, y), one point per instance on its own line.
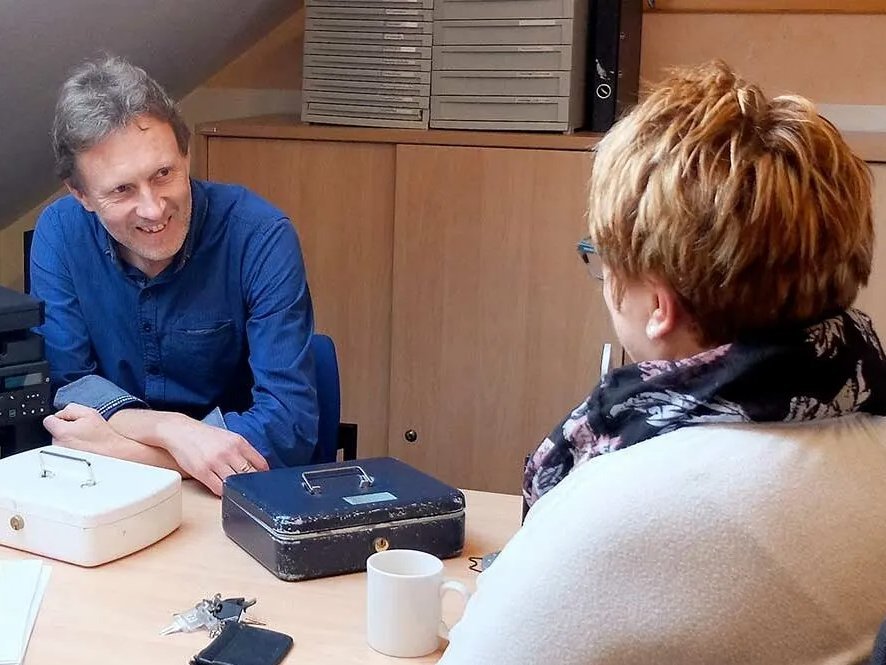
(114, 613)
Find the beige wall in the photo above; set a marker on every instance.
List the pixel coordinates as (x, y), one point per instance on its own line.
(834, 59)
(11, 274)
(274, 62)
(264, 79)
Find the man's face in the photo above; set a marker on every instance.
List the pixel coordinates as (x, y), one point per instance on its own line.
(136, 181)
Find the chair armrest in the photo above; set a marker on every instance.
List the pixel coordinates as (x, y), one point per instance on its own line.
(347, 440)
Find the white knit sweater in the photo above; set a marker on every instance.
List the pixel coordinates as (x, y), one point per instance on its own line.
(714, 544)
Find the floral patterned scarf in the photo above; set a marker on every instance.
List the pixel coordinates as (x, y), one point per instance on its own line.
(830, 369)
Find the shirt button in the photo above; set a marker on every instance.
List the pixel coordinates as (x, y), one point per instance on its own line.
(146, 326)
(153, 369)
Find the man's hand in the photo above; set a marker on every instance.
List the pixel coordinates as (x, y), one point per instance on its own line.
(81, 428)
(207, 453)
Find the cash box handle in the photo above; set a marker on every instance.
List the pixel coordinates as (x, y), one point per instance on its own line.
(46, 473)
(365, 479)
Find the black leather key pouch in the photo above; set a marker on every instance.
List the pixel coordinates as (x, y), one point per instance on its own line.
(242, 644)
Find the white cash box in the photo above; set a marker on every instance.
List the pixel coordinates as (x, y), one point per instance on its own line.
(84, 508)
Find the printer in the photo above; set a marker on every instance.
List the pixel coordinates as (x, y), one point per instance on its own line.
(25, 397)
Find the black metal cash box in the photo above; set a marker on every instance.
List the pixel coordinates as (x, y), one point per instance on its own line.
(314, 521)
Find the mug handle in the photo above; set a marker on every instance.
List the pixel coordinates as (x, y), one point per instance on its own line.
(458, 587)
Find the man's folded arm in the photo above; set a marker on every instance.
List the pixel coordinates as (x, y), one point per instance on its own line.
(282, 422)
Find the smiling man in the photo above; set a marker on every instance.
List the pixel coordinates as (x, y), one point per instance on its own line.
(178, 315)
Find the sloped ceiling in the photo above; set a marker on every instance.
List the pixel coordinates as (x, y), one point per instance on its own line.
(181, 43)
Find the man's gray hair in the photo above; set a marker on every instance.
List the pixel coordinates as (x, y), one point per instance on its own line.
(100, 97)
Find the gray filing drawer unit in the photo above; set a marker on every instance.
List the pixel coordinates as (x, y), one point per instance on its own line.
(491, 9)
(509, 64)
(519, 59)
(368, 62)
(509, 84)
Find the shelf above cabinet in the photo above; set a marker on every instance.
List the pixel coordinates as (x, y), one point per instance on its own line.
(289, 127)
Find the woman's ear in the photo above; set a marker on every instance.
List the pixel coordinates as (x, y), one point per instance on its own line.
(665, 313)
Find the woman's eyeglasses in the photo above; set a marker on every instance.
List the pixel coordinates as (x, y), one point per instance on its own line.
(591, 258)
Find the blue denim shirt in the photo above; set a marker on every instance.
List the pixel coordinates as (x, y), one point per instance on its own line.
(226, 325)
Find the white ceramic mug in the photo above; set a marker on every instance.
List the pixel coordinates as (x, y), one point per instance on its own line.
(404, 593)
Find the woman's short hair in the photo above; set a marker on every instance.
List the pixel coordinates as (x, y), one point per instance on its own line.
(753, 210)
(100, 97)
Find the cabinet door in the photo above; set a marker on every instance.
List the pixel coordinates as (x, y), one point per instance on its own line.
(873, 299)
(497, 326)
(341, 198)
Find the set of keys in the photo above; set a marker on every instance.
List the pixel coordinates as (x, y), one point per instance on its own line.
(211, 615)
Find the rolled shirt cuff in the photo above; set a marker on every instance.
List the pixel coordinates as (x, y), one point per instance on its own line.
(97, 393)
(107, 398)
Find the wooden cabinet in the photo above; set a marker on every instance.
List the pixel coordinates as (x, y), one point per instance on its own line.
(497, 327)
(445, 269)
(872, 299)
(341, 198)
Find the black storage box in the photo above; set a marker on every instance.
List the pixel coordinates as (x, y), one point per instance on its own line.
(19, 311)
(327, 519)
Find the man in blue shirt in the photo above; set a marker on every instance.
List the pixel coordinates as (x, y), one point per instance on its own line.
(161, 291)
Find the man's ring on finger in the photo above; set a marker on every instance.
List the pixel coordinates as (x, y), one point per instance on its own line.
(246, 468)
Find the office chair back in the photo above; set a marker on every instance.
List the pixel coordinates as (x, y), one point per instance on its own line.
(27, 238)
(328, 398)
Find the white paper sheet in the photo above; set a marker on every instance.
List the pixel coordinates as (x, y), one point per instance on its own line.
(22, 585)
